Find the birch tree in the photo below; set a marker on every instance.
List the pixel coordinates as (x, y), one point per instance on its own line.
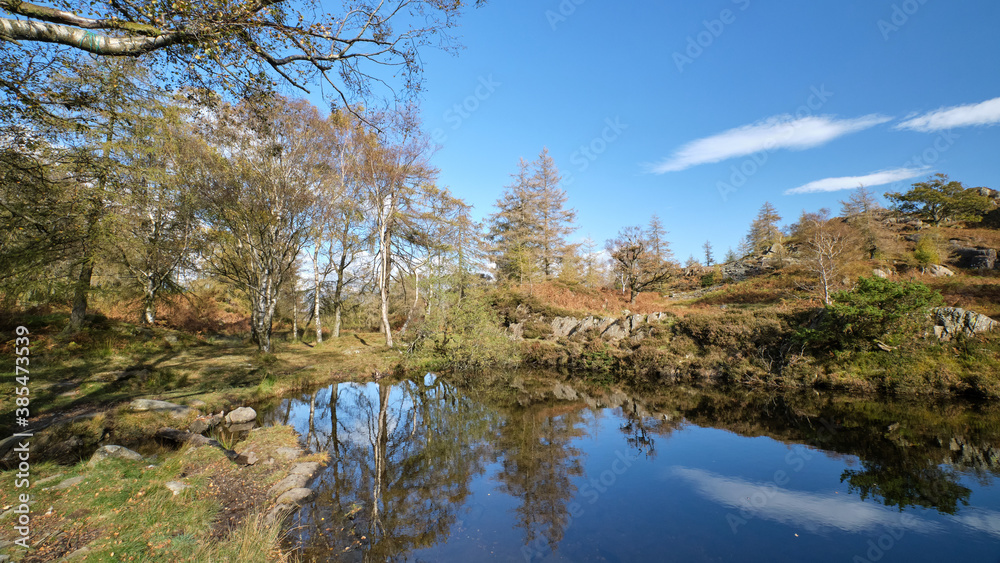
(260, 203)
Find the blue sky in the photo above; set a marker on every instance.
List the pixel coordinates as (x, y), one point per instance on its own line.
(701, 111)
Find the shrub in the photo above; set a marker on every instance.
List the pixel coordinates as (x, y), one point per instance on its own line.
(926, 252)
(875, 310)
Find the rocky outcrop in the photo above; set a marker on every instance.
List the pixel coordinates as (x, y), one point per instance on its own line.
(950, 322)
(975, 258)
(607, 328)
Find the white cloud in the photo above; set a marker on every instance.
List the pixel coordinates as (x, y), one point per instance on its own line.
(984, 113)
(851, 182)
(773, 133)
(809, 510)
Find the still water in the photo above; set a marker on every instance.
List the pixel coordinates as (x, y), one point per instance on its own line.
(538, 470)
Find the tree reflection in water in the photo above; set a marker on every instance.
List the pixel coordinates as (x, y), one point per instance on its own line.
(403, 456)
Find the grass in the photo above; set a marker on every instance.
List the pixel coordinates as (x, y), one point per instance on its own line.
(123, 511)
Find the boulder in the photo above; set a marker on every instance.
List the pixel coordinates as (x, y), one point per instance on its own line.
(635, 321)
(242, 415)
(951, 322)
(562, 326)
(176, 487)
(615, 332)
(293, 481)
(938, 271)
(294, 496)
(113, 452)
(879, 273)
(203, 424)
(307, 468)
(586, 324)
(144, 405)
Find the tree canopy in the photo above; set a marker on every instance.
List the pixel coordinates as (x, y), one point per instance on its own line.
(242, 46)
(940, 200)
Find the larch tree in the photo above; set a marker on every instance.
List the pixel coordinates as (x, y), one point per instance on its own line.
(531, 224)
(764, 231)
(555, 221)
(860, 210)
(709, 258)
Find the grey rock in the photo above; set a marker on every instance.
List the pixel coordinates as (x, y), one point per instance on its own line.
(586, 324)
(952, 321)
(48, 479)
(615, 332)
(635, 321)
(241, 415)
(938, 271)
(176, 487)
(878, 273)
(71, 482)
(295, 496)
(562, 326)
(113, 452)
(294, 481)
(238, 428)
(975, 258)
(203, 424)
(307, 468)
(144, 405)
(288, 453)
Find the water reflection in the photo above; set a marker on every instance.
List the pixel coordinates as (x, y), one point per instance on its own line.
(422, 470)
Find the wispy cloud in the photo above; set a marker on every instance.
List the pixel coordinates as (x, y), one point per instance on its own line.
(812, 510)
(984, 113)
(851, 182)
(773, 133)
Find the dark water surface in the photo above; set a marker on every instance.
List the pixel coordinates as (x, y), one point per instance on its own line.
(541, 471)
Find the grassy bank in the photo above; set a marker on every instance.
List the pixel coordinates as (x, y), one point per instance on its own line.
(122, 511)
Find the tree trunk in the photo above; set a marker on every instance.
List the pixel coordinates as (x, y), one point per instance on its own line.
(148, 315)
(632, 296)
(386, 263)
(81, 292)
(316, 296)
(295, 315)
